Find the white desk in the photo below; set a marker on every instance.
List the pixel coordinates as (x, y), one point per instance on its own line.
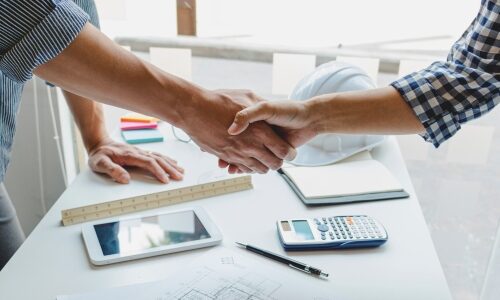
(53, 260)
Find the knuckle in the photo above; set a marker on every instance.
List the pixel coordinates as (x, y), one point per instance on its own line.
(150, 161)
(275, 163)
(282, 151)
(128, 154)
(100, 163)
(264, 105)
(241, 116)
(264, 170)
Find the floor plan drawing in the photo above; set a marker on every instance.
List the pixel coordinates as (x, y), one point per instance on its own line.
(220, 275)
(206, 283)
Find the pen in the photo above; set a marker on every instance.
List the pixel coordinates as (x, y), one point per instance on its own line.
(282, 259)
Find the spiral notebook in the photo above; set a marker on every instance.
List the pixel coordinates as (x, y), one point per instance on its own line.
(358, 179)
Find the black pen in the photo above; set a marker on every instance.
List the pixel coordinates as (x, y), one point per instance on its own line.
(282, 259)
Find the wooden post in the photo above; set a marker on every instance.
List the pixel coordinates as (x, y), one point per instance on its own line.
(186, 17)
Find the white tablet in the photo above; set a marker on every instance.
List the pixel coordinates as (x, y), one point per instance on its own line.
(127, 238)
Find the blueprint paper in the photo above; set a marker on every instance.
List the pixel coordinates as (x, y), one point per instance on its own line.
(220, 274)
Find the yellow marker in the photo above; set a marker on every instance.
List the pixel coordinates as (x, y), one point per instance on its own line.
(155, 200)
(135, 117)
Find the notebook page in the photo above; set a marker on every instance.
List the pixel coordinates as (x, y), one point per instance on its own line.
(343, 179)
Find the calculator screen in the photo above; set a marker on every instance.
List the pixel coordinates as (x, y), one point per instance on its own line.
(302, 229)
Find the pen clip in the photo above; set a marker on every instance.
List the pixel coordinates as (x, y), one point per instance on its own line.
(303, 270)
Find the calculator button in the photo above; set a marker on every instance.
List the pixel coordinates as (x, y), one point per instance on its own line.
(322, 227)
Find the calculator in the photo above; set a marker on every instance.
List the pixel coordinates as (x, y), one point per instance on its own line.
(339, 232)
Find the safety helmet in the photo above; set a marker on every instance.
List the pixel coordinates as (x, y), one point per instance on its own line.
(333, 77)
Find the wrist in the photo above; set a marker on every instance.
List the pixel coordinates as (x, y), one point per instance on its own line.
(94, 142)
(320, 114)
(178, 100)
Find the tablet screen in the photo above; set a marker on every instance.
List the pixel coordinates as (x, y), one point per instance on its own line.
(132, 236)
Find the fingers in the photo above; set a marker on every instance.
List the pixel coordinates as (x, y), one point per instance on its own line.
(175, 172)
(170, 161)
(268, 158)
(223, 164)
(274, 144)
(255, 165)
(234, 168)
(244, 164)
(147, 163)
(239, 168)
(259, 112)
(104, 164)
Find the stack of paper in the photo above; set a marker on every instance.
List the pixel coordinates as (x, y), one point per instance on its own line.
(137, 128)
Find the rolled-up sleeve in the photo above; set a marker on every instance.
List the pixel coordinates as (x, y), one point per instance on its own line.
(465, 86)
(33, 32)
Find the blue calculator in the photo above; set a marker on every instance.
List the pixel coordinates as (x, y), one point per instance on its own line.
(338, 232)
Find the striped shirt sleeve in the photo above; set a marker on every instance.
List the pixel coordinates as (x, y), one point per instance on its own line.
(465, 86)
(33, 32)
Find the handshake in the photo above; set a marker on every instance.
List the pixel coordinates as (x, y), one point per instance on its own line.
(247, 133)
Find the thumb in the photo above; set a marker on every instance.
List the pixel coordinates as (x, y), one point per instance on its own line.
(258, 112)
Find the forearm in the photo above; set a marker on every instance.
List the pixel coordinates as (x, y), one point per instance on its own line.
(94, 67)
(378, 111)
(89, 118)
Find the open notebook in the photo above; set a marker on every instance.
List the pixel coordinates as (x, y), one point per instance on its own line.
(360, 178)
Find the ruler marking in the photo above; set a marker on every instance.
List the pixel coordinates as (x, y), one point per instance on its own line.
(154, 200)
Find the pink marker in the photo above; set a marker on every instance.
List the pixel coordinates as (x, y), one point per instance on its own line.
(137, 125)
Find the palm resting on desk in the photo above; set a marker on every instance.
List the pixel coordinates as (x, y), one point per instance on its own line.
(110, 157)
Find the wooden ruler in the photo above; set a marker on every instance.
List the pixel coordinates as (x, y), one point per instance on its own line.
(154, 200)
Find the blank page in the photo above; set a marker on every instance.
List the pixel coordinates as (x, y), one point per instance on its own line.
(343, 179)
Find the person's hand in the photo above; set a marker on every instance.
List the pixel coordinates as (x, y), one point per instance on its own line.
(258, 149)
(293, 118)
(110, 157)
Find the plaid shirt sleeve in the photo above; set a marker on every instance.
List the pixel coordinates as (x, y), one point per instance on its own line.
(33, 32)
(465, 86)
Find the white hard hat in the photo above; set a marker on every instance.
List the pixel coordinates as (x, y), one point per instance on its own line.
(333, 77)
